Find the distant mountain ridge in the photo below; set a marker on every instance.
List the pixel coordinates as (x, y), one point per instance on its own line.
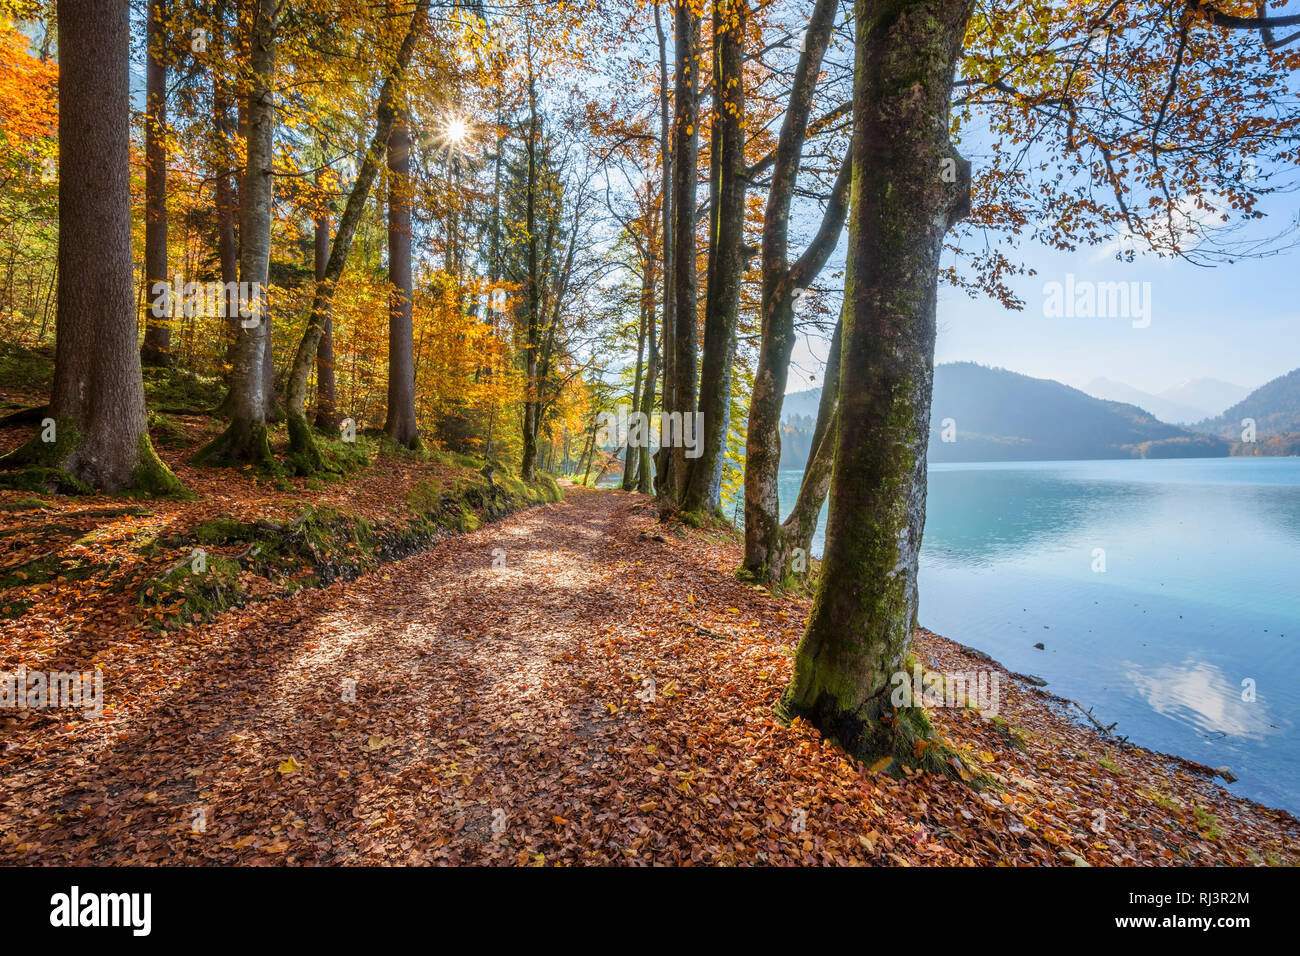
(1175, 413)
(1274, 408)
(994, 414)
(998, 415)
(1210, 394)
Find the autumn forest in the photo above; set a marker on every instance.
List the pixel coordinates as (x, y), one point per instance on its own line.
(392, 402)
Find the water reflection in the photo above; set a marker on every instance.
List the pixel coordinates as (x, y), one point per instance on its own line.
(1197, 693)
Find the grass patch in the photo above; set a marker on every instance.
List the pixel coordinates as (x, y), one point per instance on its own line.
(1207, 823)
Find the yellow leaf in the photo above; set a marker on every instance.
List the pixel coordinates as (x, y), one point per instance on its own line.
(378, 743)
(881, 764)
(289, 766)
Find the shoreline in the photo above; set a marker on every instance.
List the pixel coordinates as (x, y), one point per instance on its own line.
(1073, 711)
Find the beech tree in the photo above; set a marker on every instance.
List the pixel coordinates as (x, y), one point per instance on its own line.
(766, 550)
(865, 606)
(1116, 94)
(684, 283)
(245, 439)
(729, 180)
(306, 456)
(400, 426)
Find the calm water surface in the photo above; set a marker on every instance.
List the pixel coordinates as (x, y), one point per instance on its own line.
(1200, 593)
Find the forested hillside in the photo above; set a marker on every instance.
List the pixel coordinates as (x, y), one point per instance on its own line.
(998, 415)
(1265, 422)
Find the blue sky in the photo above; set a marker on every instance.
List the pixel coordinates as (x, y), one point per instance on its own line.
(1239, 323)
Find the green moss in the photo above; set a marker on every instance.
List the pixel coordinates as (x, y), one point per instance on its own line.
(392, 449)
(1208, 823)
(13, 610)
(872, 730)
(166, 432)
(26, 368)
(229, 449)
(550, 488)
(38, 465)
(179, 390)
(514, 487)
(152, 478)
(25, 504)
(469, 521)
(425, 496)
(223, 530)
(187, 596)
(45, 569)
(323, 544)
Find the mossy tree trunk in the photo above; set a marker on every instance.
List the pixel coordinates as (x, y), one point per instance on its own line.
(245, 440)
(800, 525)
(684, 283)
(532, 297)
(226, 131)
(728, 181)
(400, 424)
(667, 345)
(302, 445)
(780, 281)
(632, 455)
(904, 204)
(645, 470)
(327, 416)
(100, 436)
(156, 349)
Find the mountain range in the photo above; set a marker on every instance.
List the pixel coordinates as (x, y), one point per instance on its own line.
(1185, 403)
(992, 414)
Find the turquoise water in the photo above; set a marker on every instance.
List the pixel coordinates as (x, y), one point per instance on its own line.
(1200, 592)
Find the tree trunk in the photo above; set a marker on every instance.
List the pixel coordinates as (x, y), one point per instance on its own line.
(801, 524)
(246, 440)
(327, 416)
(100, 435)
(533, 292)
(686, 151)
(269, 407)
(588, 454)
(645, 470)
(866, 601)
(726, 255)
(306, 456)
(662, 459)
(156, 349)
(400, 425)
(780, 280)
(226, 202)
(632, 455)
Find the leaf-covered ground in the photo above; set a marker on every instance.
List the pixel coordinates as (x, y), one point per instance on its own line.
(502, 714)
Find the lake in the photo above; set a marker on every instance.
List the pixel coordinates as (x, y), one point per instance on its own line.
(1199, 596)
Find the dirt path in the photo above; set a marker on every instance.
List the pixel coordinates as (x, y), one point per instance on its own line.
(558, 687)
